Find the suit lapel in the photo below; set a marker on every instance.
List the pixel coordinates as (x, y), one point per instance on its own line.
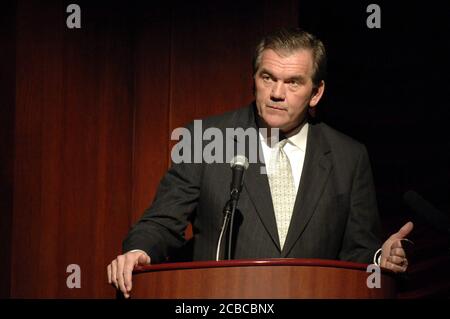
(316, 169)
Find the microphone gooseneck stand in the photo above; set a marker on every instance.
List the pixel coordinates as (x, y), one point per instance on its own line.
(228, 220)
(238, 165)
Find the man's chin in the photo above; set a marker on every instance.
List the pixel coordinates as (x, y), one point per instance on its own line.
(274, 122)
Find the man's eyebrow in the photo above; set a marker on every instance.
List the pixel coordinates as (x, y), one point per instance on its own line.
(267, 72)
(298, 77)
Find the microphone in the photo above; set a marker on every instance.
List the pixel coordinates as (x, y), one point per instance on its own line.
(427, 211)
(238, 166)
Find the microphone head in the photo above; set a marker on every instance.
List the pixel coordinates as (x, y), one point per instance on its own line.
(239, 160)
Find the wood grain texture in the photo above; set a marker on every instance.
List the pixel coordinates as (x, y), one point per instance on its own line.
(268, 280)
(35, 222)
(90, 127)
(152, 46)
(72, 192)
(211, 59)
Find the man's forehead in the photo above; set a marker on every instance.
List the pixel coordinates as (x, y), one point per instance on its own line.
(300, 61)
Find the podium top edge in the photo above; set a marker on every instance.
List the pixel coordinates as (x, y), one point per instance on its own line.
(252, 263)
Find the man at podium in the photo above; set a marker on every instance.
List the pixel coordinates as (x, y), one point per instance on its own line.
(309, 194)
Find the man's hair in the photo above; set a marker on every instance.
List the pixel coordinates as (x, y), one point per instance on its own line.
(286, 42)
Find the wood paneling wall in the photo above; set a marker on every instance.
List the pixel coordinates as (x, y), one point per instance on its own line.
(74, 129)
(94, 109)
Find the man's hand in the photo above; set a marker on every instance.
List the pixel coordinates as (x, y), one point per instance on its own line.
(121, 268)
(393, 256)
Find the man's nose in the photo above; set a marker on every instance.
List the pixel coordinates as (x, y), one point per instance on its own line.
(278, 92)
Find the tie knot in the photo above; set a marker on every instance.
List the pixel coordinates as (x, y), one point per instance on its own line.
(282, 143)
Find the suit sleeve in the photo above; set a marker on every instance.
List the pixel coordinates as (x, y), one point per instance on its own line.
(362, 234)
(160, 231)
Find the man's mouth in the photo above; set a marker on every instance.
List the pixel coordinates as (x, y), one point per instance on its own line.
(277, 107)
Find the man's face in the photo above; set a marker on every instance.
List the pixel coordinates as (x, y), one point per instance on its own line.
(284, 89)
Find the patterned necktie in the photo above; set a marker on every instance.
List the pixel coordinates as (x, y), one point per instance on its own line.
(282, 189)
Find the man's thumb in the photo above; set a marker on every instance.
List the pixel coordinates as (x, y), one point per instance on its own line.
(404, 231)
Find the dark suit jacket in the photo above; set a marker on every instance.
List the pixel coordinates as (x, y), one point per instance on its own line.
(335, 214)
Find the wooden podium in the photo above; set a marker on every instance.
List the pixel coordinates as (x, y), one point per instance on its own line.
(255, 279)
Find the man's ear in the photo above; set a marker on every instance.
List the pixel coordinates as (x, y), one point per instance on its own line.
(317, 94)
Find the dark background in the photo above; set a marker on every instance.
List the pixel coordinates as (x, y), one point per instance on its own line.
(387, 88)
(87, 115)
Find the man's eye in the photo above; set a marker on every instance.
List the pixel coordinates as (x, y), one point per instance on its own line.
(293, 84)
(266, 78)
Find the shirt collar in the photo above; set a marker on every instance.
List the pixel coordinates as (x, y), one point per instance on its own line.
(297, 140)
